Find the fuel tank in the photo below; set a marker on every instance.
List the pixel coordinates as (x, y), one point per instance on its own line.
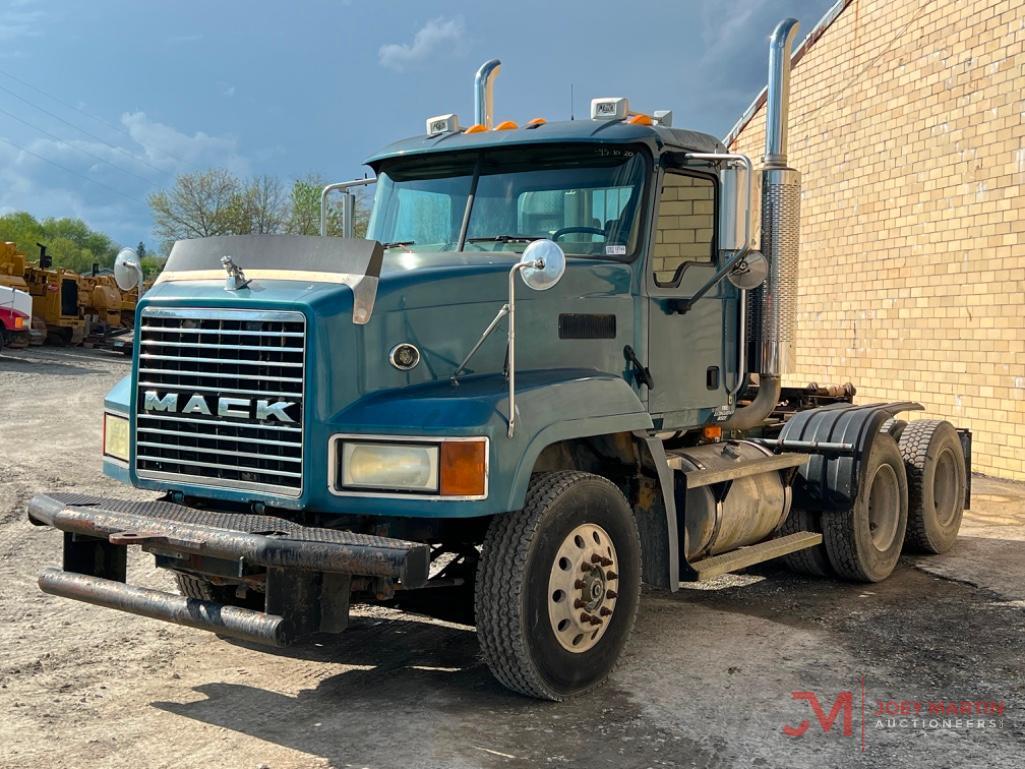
(729, 515)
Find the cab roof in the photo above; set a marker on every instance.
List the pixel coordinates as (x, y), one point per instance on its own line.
(657, 138)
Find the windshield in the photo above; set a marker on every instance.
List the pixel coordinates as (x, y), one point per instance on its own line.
(588, 199)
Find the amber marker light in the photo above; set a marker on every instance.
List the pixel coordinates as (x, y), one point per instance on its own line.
(640, 120)
(712, 432)
(505, 125)
(464, 468)
(475, 129)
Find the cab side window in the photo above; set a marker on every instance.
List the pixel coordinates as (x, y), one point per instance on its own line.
(685, 228)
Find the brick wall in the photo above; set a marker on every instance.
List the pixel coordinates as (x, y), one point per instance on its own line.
(908, 125)
(683, 232)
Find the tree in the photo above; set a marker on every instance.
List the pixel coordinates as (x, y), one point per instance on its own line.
(216, 202)
(151, 266)
(265, 205)
(197, 206)
(141, 250)
(71, 242)
(304, 209)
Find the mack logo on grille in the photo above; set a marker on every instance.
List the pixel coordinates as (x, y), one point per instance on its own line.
(222, 406)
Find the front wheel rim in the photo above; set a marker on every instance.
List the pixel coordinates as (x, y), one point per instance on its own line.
(583, 588)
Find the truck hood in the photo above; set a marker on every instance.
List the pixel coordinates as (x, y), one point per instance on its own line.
(438, 302)
(294, 268)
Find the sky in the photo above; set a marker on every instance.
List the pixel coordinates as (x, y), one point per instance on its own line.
(103, 103)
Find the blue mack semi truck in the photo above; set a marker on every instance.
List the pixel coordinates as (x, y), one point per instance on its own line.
(551, 371)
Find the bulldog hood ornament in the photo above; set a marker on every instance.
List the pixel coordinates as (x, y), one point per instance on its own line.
(236, 277)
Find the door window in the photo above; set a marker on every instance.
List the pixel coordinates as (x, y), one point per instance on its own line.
(685, 230)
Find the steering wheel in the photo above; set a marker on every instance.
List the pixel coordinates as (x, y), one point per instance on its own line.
(583, 230)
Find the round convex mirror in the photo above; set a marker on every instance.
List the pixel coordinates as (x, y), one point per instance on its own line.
(546, 264)
(127, 272)
(750, 272)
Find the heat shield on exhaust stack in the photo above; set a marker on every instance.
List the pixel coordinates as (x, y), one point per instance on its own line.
(772, 308)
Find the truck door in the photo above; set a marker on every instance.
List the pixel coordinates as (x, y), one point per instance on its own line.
(685, 351)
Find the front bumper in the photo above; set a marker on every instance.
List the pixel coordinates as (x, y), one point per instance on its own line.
(307, 570)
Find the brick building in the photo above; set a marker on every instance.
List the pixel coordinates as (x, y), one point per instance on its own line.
(907, 122)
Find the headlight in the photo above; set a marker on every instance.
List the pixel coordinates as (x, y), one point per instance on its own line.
(450, 468)
(403, 466)
(115, 437)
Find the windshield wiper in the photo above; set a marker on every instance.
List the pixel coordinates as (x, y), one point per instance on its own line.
(399, 243)
(505, 239)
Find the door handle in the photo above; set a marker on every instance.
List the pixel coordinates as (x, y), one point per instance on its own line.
(640, 370)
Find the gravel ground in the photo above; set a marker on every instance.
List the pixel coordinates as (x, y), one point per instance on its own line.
(707, 680)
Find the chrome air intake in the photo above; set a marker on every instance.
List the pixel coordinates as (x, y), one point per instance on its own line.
(772, 309)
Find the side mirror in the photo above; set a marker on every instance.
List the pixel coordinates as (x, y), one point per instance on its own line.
(544, 264)
(734, 208)
(750, 272)
(127, 271)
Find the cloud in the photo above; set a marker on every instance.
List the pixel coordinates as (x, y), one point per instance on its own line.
(107, 184)
(78, 186)
(725, 21)
(439, 33)
(19, 21)
(171, 149)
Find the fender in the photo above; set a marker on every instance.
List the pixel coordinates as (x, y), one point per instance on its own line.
(552, 405)
(598, 404)
(120, 396)
(827, 482)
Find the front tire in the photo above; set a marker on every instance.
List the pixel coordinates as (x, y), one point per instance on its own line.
(558, 586)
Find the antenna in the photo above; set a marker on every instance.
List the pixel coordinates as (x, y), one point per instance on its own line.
(571, 101)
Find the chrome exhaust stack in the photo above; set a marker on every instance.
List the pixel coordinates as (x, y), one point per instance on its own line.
(772, 307)
(484, 93)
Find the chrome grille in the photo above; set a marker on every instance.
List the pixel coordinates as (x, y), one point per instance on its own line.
(208, 373)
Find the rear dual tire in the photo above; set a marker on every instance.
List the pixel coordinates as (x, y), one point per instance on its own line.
(911, 497)
(811, 561)
(864, 543)
(937, 480)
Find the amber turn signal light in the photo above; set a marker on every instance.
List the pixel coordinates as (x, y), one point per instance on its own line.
(463, 468)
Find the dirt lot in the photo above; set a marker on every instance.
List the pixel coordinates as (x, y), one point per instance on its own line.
(707, 681)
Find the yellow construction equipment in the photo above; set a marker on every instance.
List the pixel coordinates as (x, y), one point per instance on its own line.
(102, 302)
(67, 307)
(55, 300)
(54, 293)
